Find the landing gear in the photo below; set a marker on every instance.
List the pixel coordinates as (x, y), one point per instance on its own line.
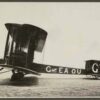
(17, 75)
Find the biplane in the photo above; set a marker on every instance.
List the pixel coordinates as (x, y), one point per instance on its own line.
(21, 43)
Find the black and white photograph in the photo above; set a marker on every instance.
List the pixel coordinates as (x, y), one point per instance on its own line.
(49, 49)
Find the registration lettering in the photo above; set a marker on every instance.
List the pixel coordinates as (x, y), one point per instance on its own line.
(95, 68)
(62, 70)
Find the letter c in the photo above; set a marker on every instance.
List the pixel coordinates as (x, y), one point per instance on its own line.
(95, 68)
(48, 69)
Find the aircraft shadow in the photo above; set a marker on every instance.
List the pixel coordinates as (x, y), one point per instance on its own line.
(26, 81)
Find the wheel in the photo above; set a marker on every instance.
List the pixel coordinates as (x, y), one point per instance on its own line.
(96, 77)
(89, 76)
(17, 76)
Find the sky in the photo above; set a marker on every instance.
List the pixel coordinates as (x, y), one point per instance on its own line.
(73, 30)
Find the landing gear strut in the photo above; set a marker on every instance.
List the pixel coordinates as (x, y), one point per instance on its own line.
(17, 75)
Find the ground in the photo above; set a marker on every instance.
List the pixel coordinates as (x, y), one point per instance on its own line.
(49, 85)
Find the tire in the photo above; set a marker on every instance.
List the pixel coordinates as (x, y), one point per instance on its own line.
(17, 76)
